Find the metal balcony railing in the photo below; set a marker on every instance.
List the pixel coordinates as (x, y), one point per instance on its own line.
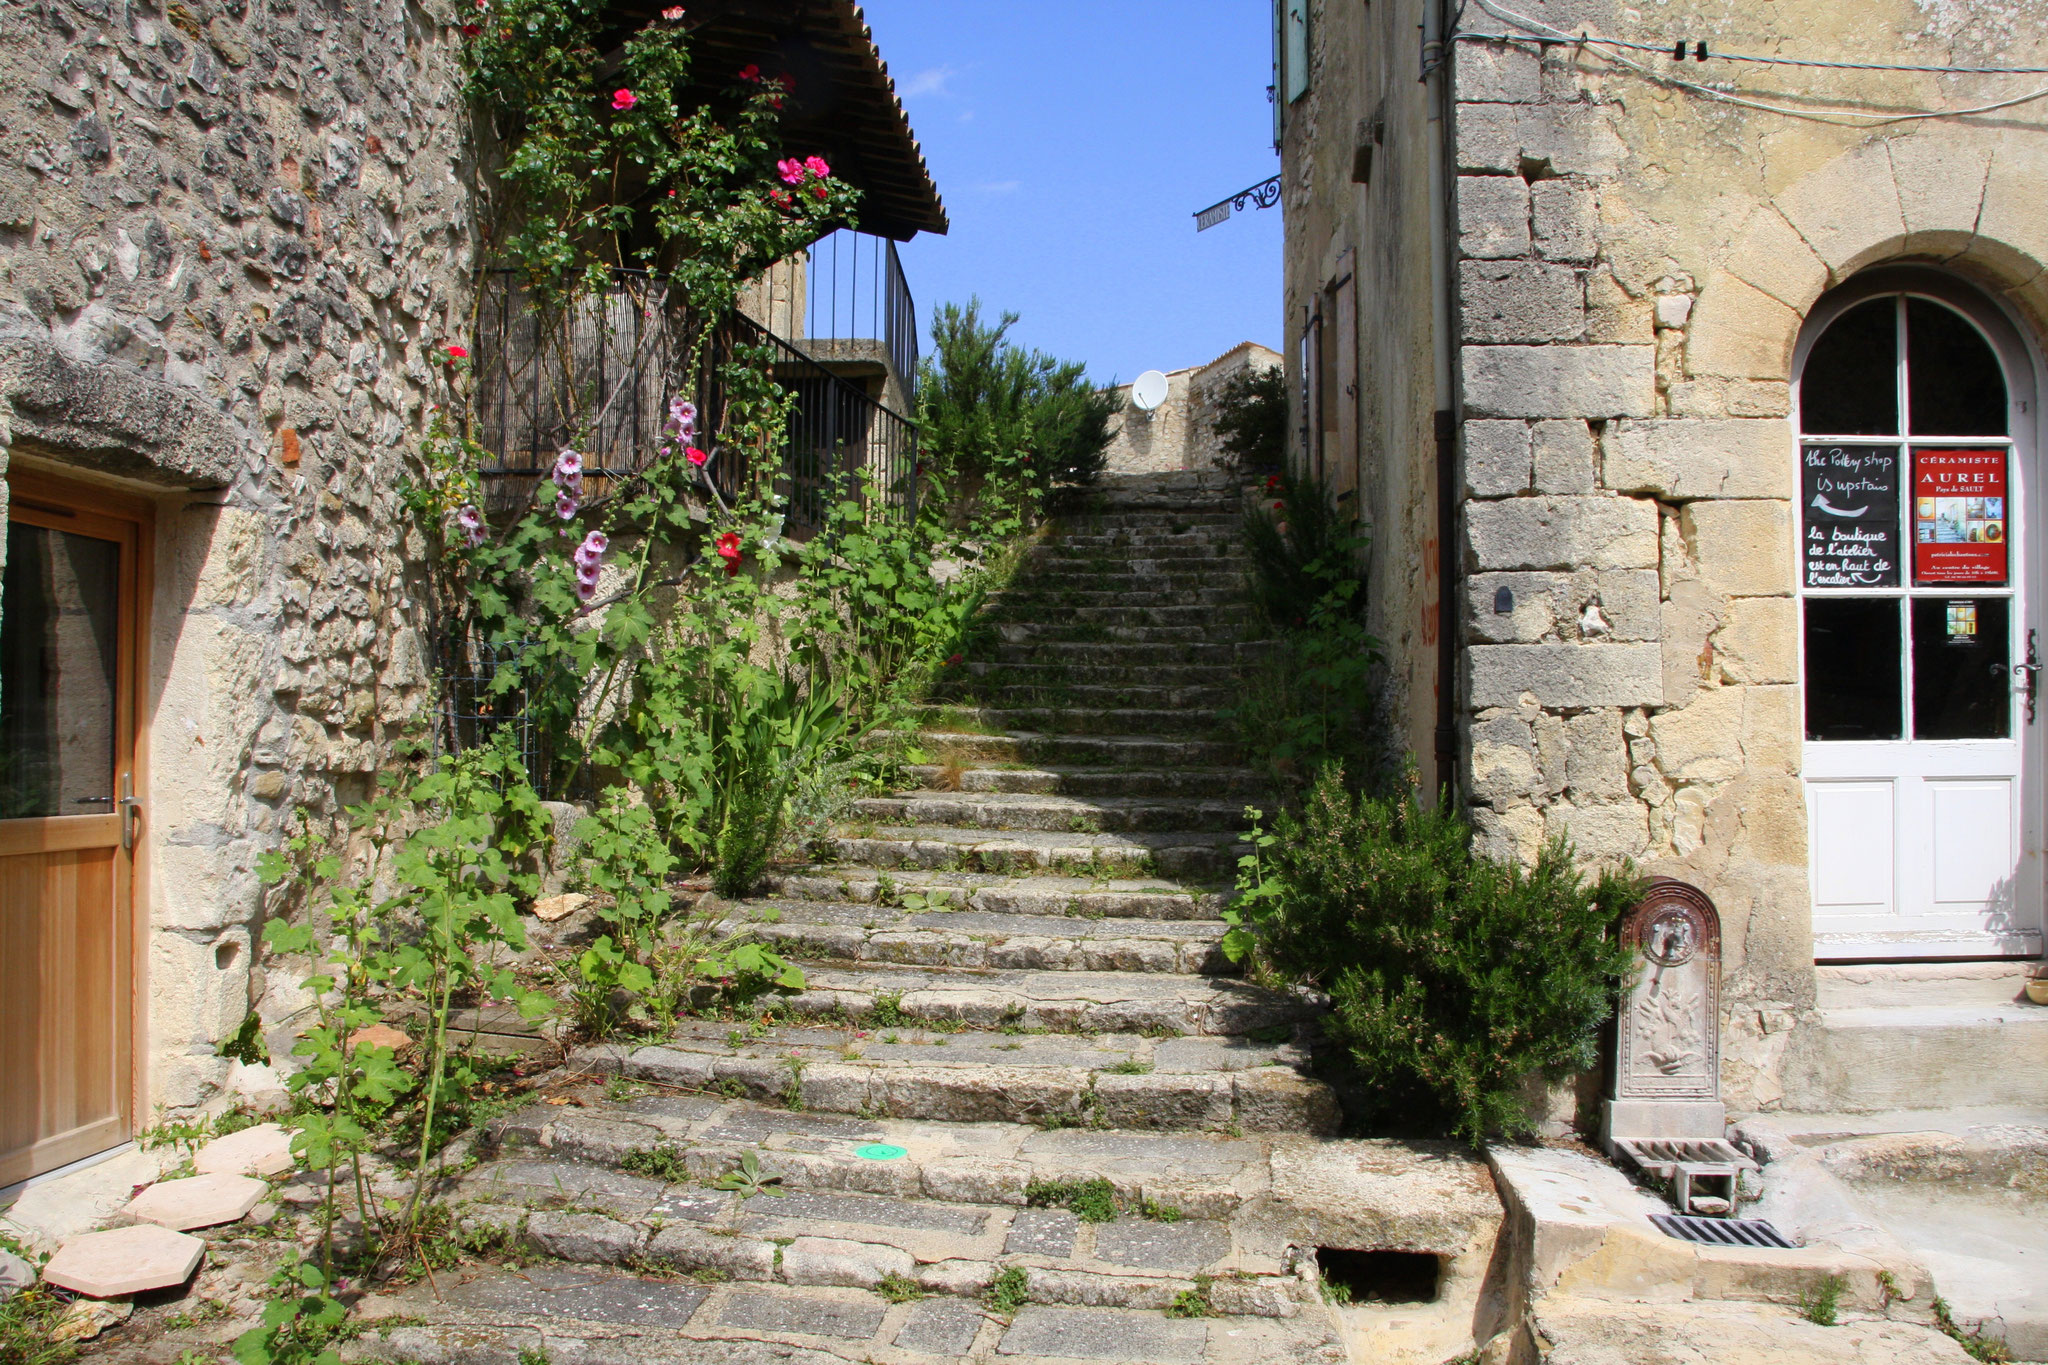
(599, 375)
(857, 305)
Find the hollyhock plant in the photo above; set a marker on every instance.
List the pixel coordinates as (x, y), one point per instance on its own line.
(470, 522)
(591, 551)
(697, 457)
(623, 100)
(682, 417)
(568, 473)
(565, 507)
(728, 547)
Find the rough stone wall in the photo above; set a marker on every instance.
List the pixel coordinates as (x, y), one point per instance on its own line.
(1181, 432)
(1634, 265)
(236, 238)
(1363, 62)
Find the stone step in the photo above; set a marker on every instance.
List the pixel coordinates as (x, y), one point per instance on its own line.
(1091, 696)
(1920, 1056)
(572, 1312)
(1217, 631)
(1106, 551)
(1061, 598)
(1095, 1002)
(940, 930)
(992, 893)
(1235, 783)
(1209, 1174)
(1054, 814)
(1148, 675)
(1208, 855)
(1116, 615)
(1128, 654)
(1136, 575)
(902, 1070)
(1074, 720)
(1134, 751)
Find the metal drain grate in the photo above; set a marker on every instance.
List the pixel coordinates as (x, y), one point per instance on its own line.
(1720, 1232)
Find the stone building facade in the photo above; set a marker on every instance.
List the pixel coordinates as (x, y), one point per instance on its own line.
(1181, 432)
(1636, 262)
(236, 241)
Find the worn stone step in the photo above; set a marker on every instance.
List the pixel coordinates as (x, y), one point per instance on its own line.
(954, 935)
(580, 1312)
(1136, 575)
(998, 894)
(1151, 675)
(1101, 1002)
(1054, 814)
(1091, 696)
(1135, 751)
(1217, 631)
(1061, 598)
(1234, 783)
(1073, 720)
(1108, 551)
(1198, 854)
(1128, 654)
(1192, 615)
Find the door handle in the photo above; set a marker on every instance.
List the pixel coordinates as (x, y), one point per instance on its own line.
(131, 809)
(2029, 673)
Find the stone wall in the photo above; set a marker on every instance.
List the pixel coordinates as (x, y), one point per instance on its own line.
(236, 240)
(1181, 432)
(1633, 265)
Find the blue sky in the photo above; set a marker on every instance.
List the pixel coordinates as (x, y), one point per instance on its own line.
(1073, 141)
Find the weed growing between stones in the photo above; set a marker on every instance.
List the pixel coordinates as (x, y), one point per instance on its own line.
(1193, 1303)
(1092, 1201)
(28, 1321)
(897, 1288)
(1822, 1306)
(1157, 1212)
(887, 1012)
(1129, 1067)
(664, 1162)
(749, 1180)
(1008, 1292)
(1978, 1346)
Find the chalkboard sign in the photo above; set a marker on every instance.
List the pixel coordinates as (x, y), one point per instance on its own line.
(1850, 499)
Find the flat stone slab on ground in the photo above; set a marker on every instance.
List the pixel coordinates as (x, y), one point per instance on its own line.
(1410, 1196)
(1105, 1334)
(582, 1293)
(203, 1201)
(1586, 1333)
(132, 1260)
(1185, 1248)
(854, 1315)
(265, 1149)
(1042, 1232)
(941, 1327)
(804, 1206)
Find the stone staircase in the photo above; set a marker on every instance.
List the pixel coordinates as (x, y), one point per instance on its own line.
(1024, 1109)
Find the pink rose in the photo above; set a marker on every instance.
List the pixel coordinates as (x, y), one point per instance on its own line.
(792, 171)
(623, 100)
(817, 167)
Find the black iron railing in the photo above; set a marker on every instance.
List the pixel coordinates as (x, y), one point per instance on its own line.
(599, 375)
(856, 297)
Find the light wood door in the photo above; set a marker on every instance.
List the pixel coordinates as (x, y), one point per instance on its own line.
(70, 612)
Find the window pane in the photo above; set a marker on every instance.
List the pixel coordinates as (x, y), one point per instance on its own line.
(1955, 385)
(1850, 386)
(58, 616)
(1853, 678)
(1962, 684)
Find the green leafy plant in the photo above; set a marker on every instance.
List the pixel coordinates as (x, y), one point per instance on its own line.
(1989, 1349)
(1822, 1305)
(664, 1162)
(1092, 1201)
(899, 1288)
(1007, 1292)
(1251, 419)
(749, 1180)
(303, 1323)
(1452, 975)
(1193, 1303)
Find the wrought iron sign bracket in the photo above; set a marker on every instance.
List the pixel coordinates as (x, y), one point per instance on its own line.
(1263, 195)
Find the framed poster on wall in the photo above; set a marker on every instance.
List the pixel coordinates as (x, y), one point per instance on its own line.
(1959, 517)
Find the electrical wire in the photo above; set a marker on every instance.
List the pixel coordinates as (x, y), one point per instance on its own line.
(1533, 28)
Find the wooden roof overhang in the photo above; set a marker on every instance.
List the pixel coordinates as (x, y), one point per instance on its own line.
(843, 107)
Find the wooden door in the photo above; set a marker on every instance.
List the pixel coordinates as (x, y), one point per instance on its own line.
(70, 617)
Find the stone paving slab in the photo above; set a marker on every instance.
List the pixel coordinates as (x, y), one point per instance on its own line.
(944, 1327)
(1076, 897)
(1042, 1232)
(582, 1293)
(1105, 1334)
(262, 1150)
(817, 1313)
(871, 1210)
(1185, 1248)
(130, 1260)
(1581, 1332)
(202, 1201)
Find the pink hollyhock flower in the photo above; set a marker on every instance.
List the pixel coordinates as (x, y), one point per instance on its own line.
(792, 171)
(470, 522)
(568, 473)
(697, 457)
(682, 416)
(565, 507)
(624, 99)
(458, 353)
(817, 167)
(674, 14)
(590, 553)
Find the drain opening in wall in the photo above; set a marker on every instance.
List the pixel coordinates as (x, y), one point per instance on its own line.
(1354, 1276)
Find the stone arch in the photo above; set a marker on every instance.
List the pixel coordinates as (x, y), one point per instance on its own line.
(1957, 196)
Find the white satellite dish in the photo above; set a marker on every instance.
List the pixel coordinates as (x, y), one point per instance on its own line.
(1148, 390)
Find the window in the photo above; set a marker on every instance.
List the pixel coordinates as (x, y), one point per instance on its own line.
(1906, 500)
(1294, 48)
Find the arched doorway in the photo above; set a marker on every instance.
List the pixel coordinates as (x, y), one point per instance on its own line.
(1915, 404)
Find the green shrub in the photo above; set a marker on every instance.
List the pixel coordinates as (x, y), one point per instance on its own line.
(1251, 419)
(1453, 975)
